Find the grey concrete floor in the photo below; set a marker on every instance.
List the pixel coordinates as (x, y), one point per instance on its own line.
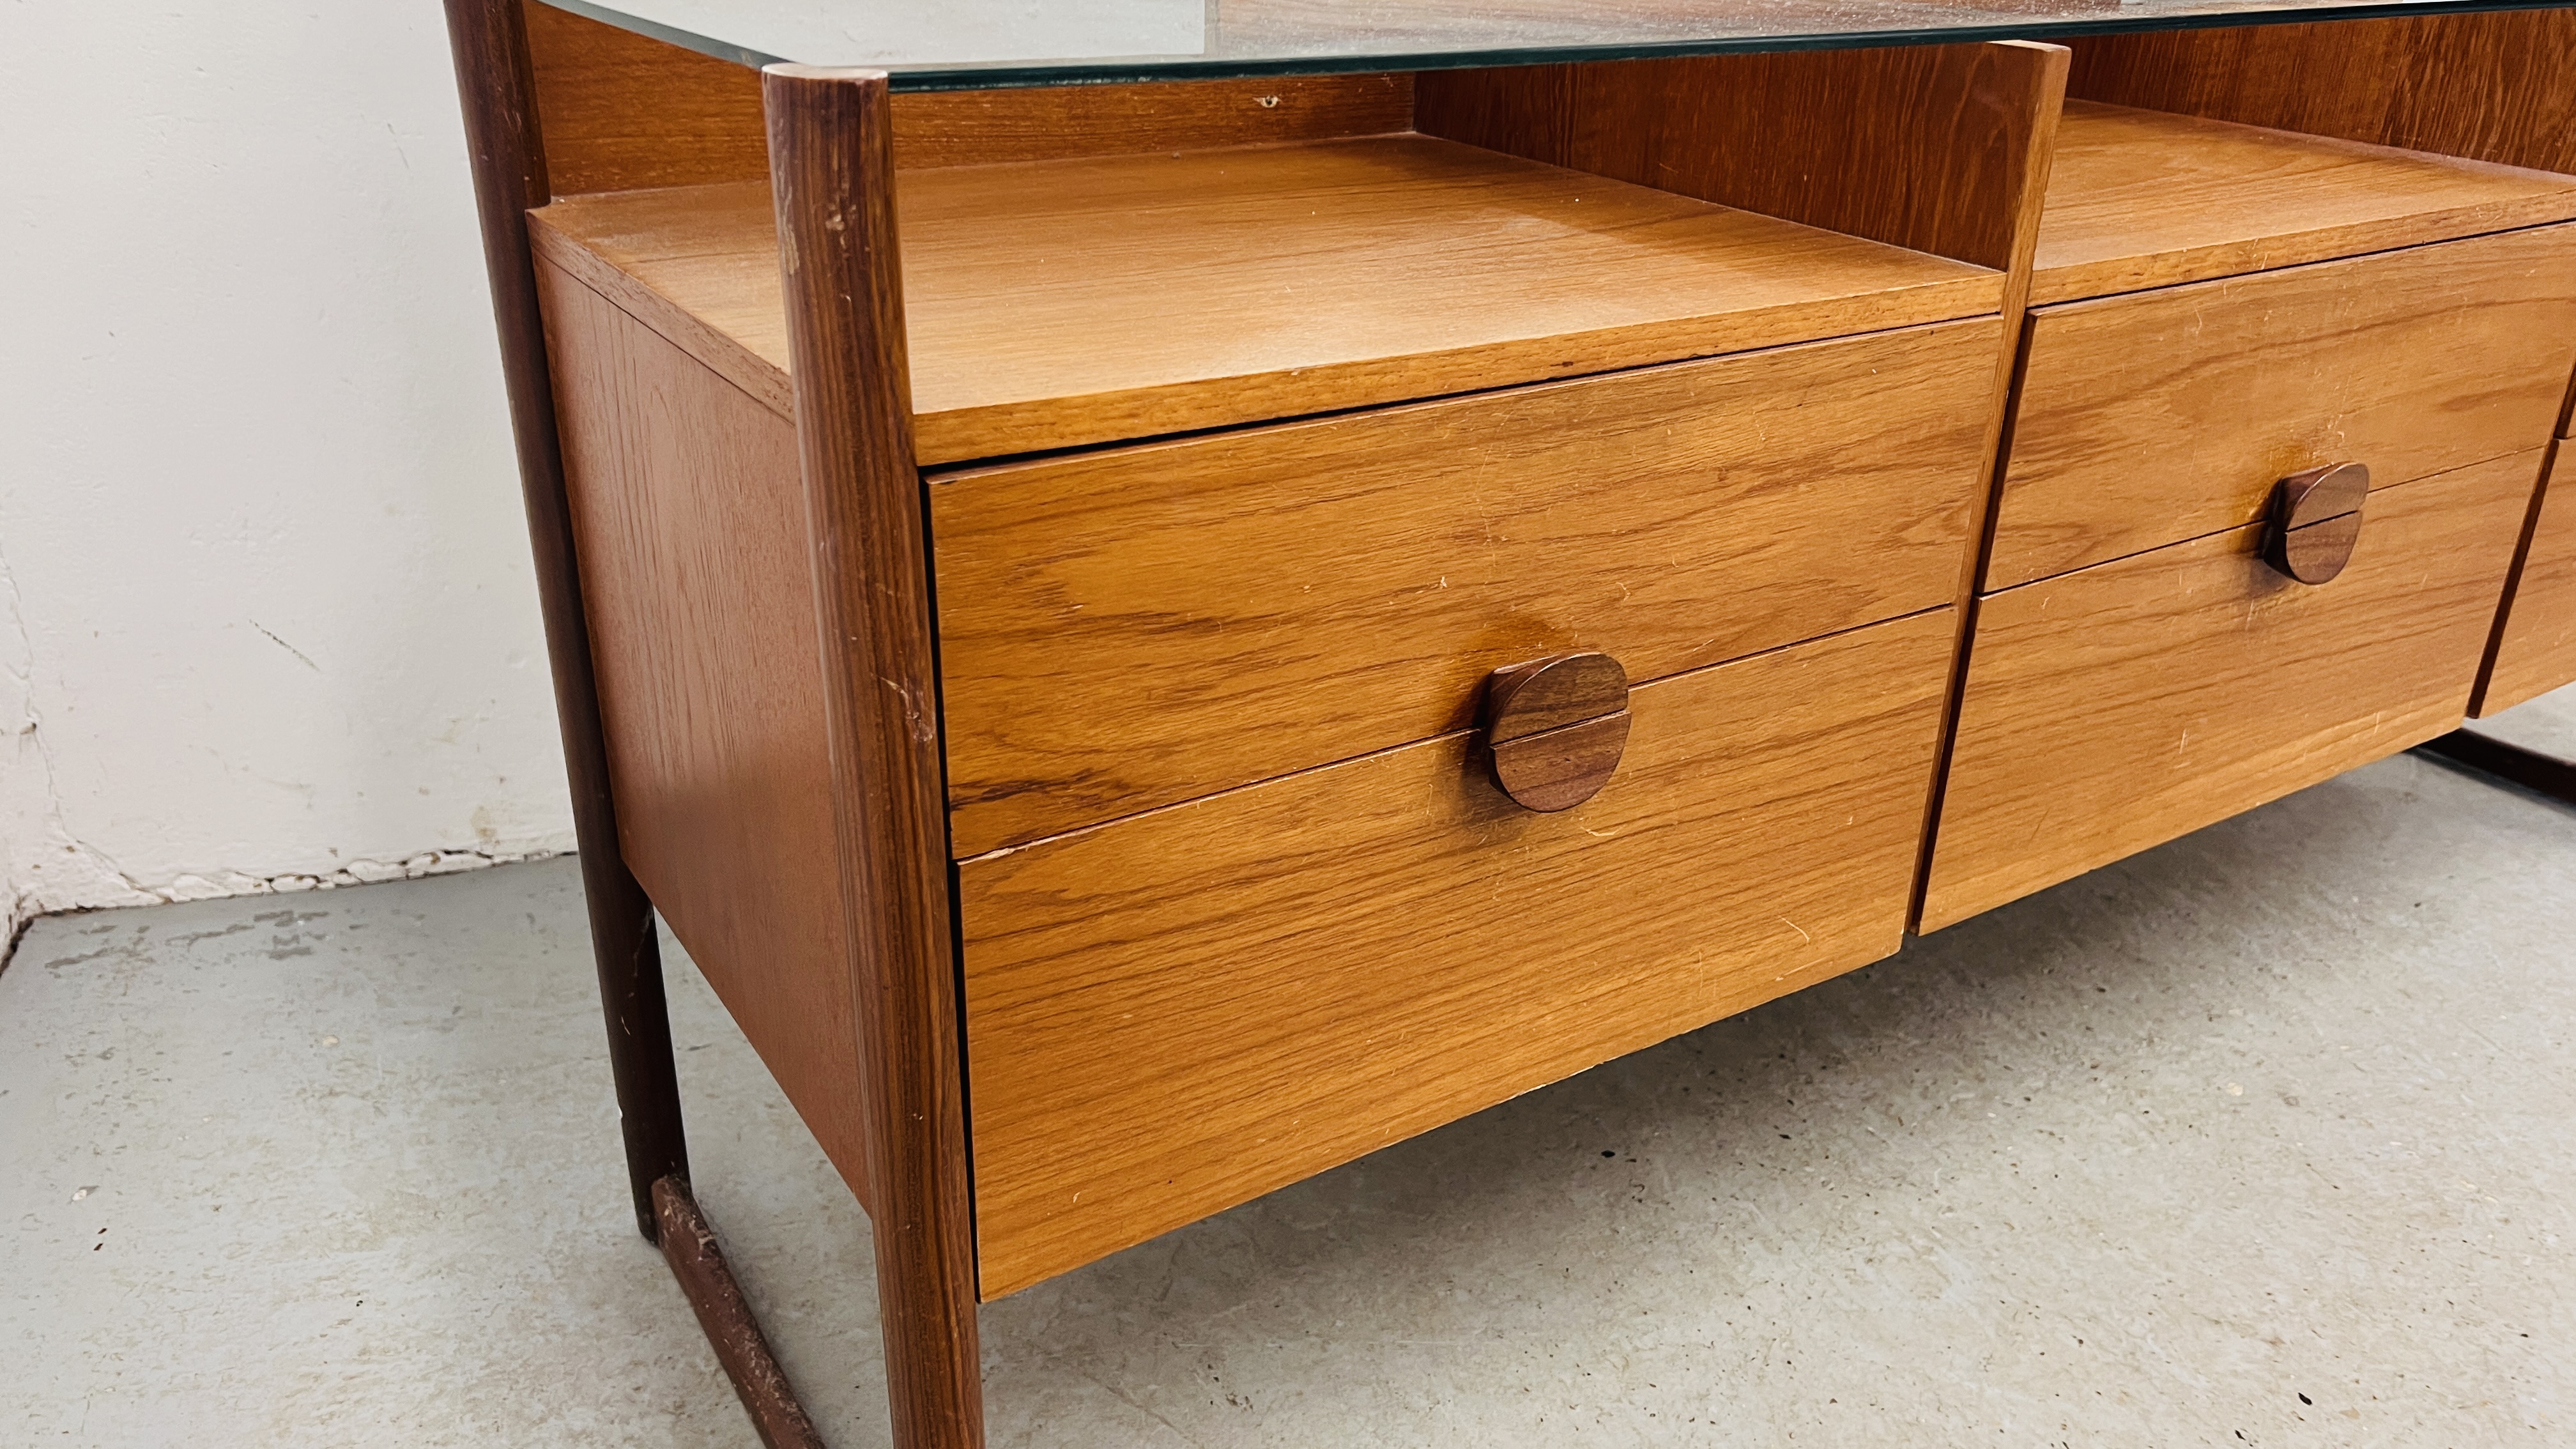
(2260, 1138)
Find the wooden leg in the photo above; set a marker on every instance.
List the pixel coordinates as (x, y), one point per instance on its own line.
(501, 128)
(831, 166)
(689, 1246)
(2545, 774)
(498, 92)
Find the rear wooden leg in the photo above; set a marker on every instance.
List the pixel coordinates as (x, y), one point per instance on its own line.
(497, 88)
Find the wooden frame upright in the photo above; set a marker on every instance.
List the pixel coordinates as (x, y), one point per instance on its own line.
(831, 142)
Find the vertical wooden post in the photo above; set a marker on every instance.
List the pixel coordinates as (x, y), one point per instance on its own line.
(494, 81)
(831, 164)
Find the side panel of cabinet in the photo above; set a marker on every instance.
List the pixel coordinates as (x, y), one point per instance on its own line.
(688, 517)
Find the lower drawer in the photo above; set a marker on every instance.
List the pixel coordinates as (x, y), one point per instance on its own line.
(1176, 1012)
(2119, 706)
(2536, 650)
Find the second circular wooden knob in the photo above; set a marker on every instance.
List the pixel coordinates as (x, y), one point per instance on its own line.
(2316, 520)
(1556, 727)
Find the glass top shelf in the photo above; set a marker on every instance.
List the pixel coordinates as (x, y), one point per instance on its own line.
(977, 44)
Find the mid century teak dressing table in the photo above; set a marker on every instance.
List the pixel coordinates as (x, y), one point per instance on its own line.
(1167, 600)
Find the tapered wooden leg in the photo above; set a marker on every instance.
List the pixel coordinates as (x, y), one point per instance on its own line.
(831, 166)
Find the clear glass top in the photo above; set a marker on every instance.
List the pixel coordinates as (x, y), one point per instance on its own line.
(971, 44)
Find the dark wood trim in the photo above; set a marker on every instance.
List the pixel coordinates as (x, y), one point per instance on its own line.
(2513, 576)
(689, 1246)
(498, 90)
(831, 165)
(2028, 197)
(2544, 774)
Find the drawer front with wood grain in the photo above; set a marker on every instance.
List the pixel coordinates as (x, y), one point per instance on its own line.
(2535, 649)
(2120, 706)
(1175, 1013)
(1134, 628)
(2158, 416)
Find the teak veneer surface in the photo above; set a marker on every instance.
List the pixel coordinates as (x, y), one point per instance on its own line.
(1059, 303)
(2117, 707)
(2163, 415)
(2142, 199)
(624, 112)
(1935, 148)
(1132, 628)
(1175, 1013)
(2535, 649)
(688, 510)
(2492, 86)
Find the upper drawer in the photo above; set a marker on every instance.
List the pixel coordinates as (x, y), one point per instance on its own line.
(1129, 629)
(2164, 415)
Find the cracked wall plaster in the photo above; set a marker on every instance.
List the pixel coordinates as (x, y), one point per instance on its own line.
(269, 620)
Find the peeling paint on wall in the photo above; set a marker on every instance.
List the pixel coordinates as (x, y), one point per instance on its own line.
(269, 618)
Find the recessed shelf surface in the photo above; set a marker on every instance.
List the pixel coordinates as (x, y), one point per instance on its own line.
(2142, 199)
(1056, 304)
(966, 44)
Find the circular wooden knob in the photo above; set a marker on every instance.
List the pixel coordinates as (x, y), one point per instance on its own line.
(1556, 727)
(2316, 520)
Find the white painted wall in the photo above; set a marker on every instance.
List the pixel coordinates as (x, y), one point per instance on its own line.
(266, 612)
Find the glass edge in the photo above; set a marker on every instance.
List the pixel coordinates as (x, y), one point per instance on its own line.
(669, 34)
(1020, 75)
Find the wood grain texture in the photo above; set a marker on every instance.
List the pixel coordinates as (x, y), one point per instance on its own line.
(2489, 87)
(1555, 728)
(1563, 767)
(1127, 629)
(832, 170)
(2169, 414)
(497, 92)
(2316, 518)
(1937, 149)
(1176, 1013)
(2027, 194)
(2142, 199)
(2115, 708)
(689, 511)
(1551, 693)
(2535, 648)
(625, 112)
(1063, 303)
(984, 128)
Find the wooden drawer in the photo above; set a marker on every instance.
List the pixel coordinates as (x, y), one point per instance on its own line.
(2158, 416)
(1175, 1013)
(2535, 650)
(1134, 628)
(2117, 707)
